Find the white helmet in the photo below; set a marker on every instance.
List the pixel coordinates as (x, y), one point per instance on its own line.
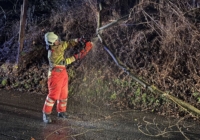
(50, 38)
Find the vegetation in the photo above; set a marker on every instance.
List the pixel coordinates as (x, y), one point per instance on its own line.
(158, 42)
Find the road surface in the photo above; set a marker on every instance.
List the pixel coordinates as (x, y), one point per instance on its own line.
(21, 119)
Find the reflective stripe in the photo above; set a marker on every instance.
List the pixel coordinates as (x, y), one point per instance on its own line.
(65, 100)
(49, 104)
(59, 59)
(70, 60)
(62, 101)
(50, 100)
(59, 66)
(63, 105)
(49, 73)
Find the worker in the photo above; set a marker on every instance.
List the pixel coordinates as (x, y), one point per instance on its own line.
(57, 74)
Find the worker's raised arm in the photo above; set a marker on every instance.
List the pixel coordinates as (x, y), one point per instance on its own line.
(70, 43)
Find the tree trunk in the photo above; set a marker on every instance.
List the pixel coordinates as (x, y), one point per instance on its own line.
(22, 31)
(22, 24)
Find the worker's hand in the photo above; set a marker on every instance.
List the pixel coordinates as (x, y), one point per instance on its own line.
(85, 38)
(78, 39)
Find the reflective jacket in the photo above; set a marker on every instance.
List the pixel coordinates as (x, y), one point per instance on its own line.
(56, 54)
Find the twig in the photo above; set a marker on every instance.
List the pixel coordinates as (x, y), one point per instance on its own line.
(160, 132)
(74, 135)
(3, 12)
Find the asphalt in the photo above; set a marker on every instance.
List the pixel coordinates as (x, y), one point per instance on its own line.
(21, 119)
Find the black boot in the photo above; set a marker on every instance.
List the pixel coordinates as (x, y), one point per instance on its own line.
(47, 118)
(62, 114)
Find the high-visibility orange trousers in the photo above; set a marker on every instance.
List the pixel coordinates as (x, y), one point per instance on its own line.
(58, 90)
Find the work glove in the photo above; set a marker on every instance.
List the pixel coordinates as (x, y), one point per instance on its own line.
(83, 52)
(85, 38)
(77, 40)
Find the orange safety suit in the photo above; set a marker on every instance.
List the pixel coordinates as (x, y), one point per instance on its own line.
(58, 77)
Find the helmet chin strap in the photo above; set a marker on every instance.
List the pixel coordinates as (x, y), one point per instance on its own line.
(48, 47)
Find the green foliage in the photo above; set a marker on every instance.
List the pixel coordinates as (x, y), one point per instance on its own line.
(4, 67)
(15, 84)
(71, 73)
(144, 98)
(123, 83)
(23, 53)
(136, 94)
(71, 91)
(4, 82)
(138, 91)
(113, 96)
(26, 86)
(198, 100)
(196, 94)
